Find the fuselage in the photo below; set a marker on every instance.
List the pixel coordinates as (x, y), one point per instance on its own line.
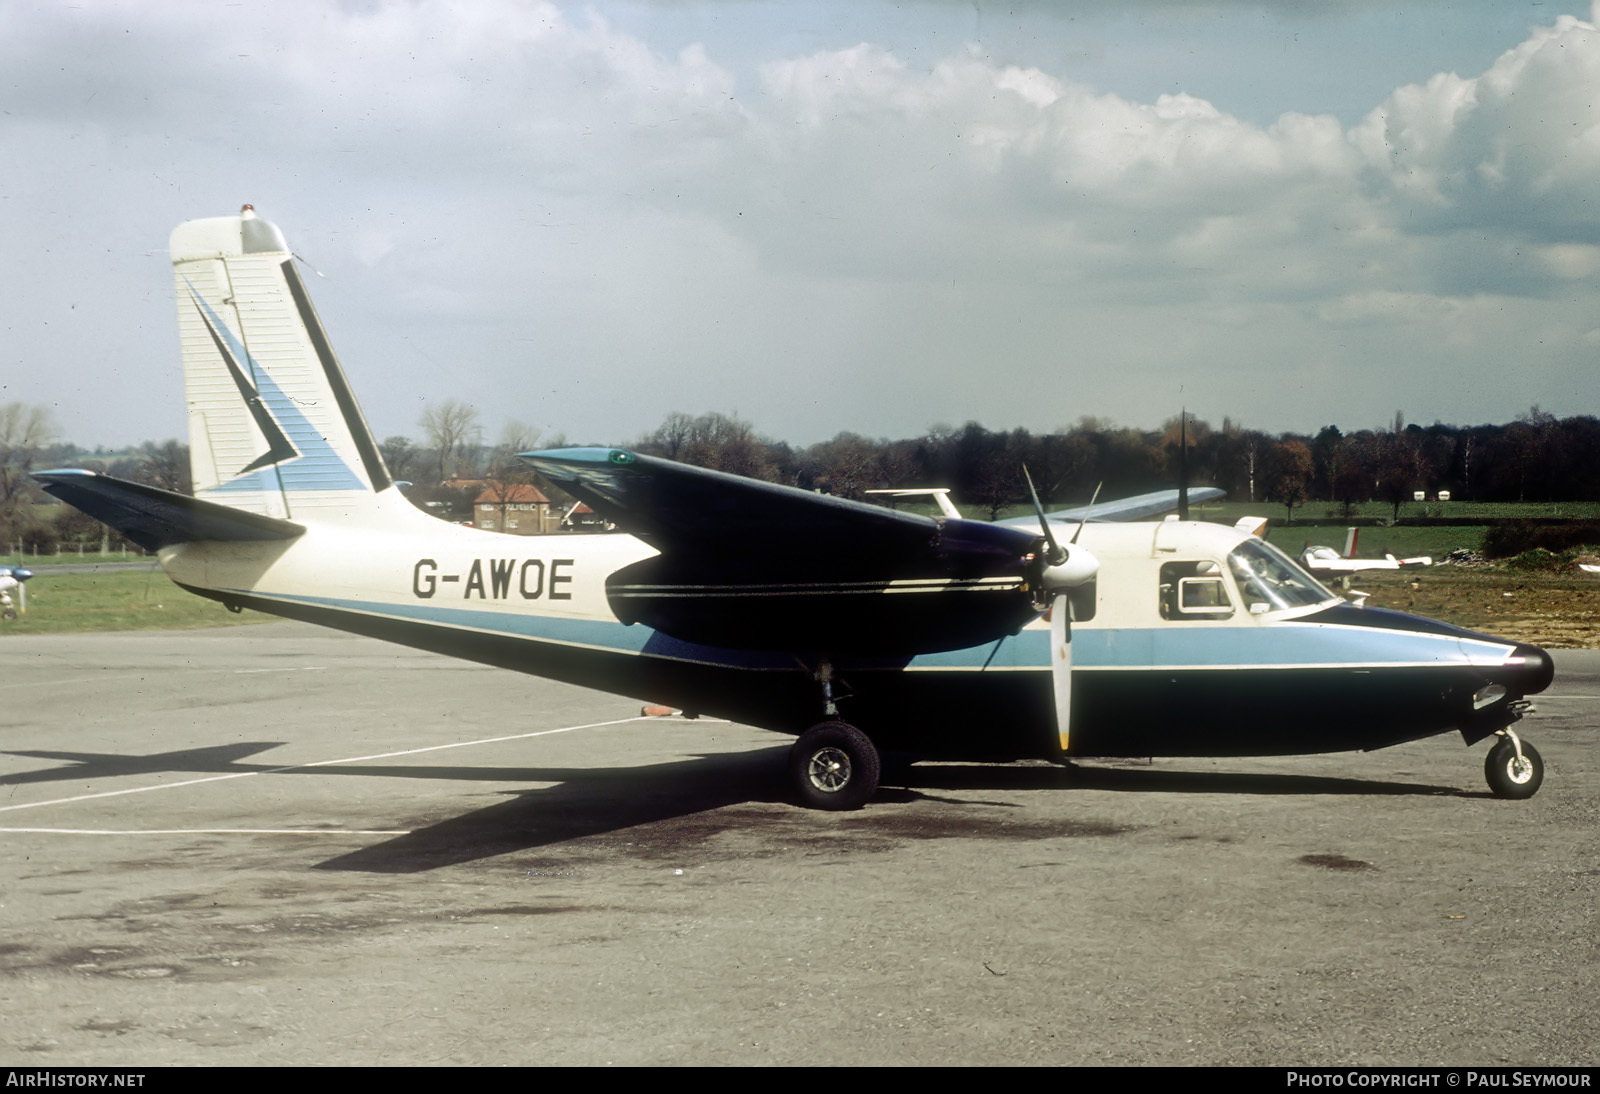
(1202, 641)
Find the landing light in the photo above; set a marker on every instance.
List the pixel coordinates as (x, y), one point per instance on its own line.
(1488, 696)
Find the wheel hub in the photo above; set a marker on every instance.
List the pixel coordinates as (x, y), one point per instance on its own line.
(829, 770)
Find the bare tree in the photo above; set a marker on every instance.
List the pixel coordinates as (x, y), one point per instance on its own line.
(515, 438)
(849, 464)
(722, 442)
(24, 430)
(450, 427)
(1292, 472)
(997, 483)
(165, 465)
(1530, 437)
(401, 457)
(1399, 467)
(669, 438)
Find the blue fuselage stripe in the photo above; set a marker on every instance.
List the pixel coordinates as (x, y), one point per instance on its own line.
(1285, 645)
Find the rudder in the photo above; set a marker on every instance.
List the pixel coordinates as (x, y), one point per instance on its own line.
(273, 426)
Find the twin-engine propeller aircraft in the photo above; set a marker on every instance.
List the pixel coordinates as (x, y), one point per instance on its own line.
(937, 637)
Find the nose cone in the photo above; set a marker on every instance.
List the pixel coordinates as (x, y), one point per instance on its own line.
(1534, 669)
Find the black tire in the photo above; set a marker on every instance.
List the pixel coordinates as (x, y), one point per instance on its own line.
(834, 766)
(1507, 777)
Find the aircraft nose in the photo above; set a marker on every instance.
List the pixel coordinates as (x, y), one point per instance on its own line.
(1536, 671)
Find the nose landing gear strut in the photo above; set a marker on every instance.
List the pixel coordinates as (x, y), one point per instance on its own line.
(1513, 767)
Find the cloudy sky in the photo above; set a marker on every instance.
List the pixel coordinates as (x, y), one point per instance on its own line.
(853, 215)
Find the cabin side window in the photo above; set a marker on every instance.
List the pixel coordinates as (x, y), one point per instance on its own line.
(1194, 591)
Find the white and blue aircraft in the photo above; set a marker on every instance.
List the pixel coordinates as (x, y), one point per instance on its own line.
(11, 580)
(852, 626)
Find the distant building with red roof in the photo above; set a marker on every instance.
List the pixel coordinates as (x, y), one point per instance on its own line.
(514, 508)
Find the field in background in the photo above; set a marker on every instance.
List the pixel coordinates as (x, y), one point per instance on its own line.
(1557, 611)
(1402, 541)
(1229, 511)
(71, 557)
(121, 601)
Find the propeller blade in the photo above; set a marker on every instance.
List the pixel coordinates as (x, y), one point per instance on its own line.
(1061, 665)
(1057, 555)
(1092, 499)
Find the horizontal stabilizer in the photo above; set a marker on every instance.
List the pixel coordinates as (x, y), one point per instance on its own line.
(155, 518)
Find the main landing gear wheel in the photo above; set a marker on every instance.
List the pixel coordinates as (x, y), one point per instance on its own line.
(834, 766)
(1511, 775)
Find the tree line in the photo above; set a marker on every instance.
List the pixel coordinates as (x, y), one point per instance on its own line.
(1536, 457)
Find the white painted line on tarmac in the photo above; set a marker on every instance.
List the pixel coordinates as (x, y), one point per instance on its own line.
(154, 675)
(295, 668)
(319, 763)
(57, 682)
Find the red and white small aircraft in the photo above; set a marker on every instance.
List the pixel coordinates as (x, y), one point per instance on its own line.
(1325, 560)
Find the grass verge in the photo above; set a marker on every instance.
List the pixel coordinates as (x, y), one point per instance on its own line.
(122, 601)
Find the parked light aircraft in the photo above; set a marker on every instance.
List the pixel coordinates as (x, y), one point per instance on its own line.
(1325, 560)
(11, 580)
(777, 607)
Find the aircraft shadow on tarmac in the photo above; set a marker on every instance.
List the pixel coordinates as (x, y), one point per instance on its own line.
(1150, 780)
(589, 802)
(216, 759)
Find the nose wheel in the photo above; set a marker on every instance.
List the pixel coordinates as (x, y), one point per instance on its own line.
(1514, 768)
(834, 766)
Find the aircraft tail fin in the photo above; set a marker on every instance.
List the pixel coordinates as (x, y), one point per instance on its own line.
(155, 518)
(273, 426)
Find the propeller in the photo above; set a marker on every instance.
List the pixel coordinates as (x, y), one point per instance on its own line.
(1065, 571)
(1064, 568)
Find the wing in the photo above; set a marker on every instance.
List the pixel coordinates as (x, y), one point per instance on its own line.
(1138, 507)
(758, 565)
(155, 518)
(1359, 565)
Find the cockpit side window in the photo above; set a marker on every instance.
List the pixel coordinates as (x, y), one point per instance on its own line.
(1194, 591)
(1269, 581)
